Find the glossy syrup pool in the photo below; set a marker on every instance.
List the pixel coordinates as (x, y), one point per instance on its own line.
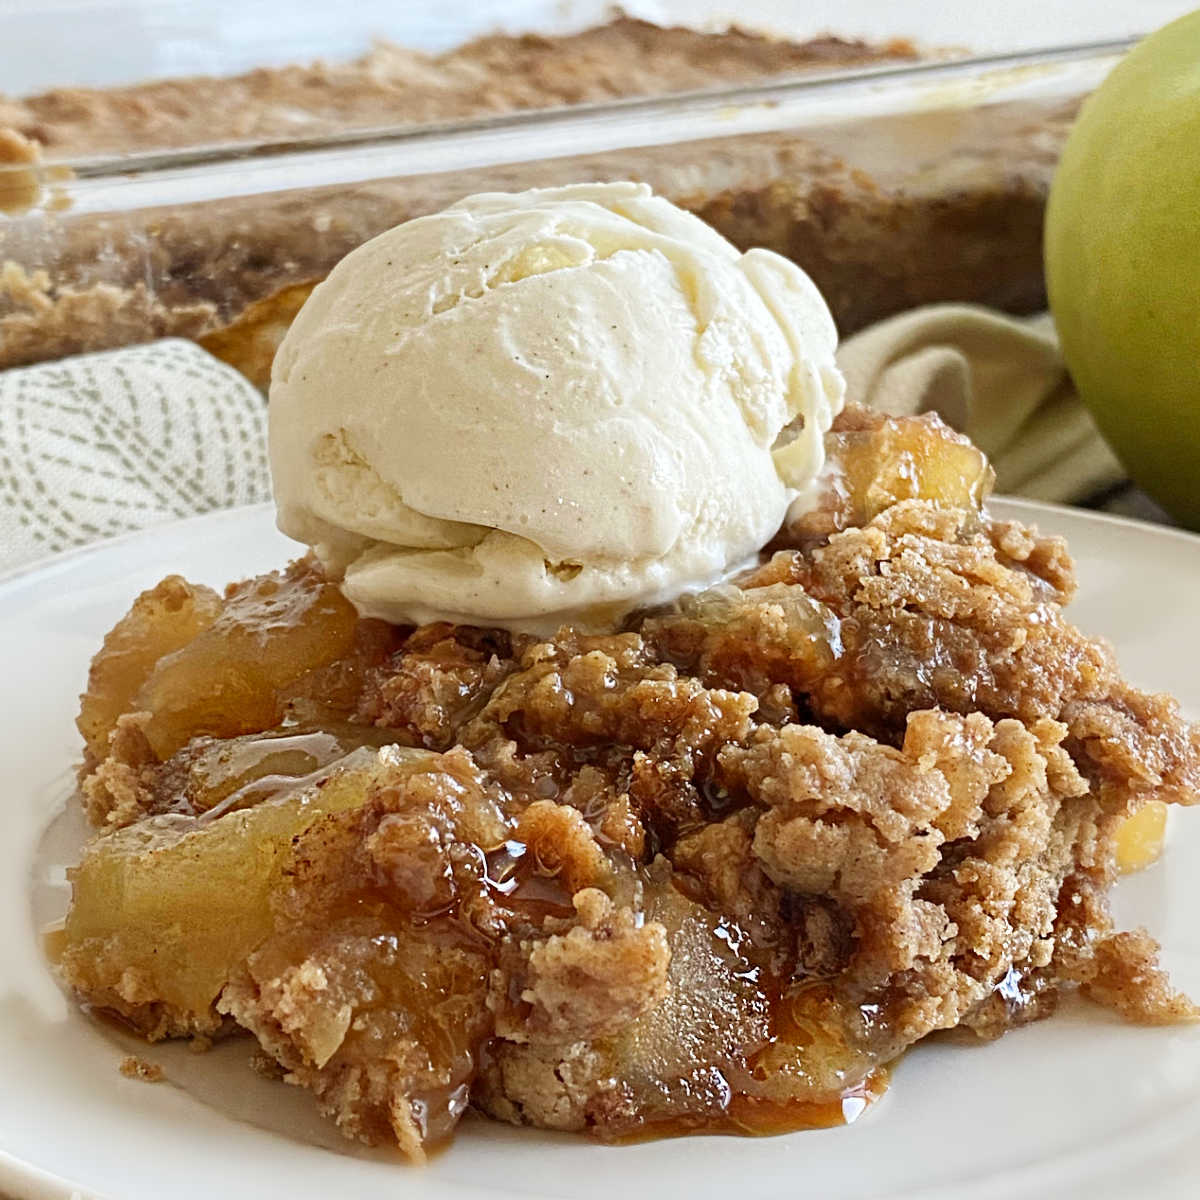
(749, 1116)
(217, 777)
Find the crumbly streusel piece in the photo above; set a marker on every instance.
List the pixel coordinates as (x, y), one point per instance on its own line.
(438, 679)
(363, 992)
(1124, 975)
(931, 607)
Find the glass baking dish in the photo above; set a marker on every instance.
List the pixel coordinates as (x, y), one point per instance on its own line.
(893, 186)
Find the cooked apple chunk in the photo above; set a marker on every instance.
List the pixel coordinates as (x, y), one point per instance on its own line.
(1139, 840)
(162, 620)
(282, 654)
(230, 679)
(165, 911)
(875, 461)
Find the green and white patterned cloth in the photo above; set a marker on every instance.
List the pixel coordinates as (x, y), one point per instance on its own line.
(104, 444)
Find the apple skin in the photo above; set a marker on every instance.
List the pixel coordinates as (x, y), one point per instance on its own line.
(1123, 262)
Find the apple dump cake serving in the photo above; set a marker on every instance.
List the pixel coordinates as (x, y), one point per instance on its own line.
(652, 741)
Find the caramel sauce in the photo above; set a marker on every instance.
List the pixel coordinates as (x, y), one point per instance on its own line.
(518, 883)
(54, 942)
(438, 1113)
(762, 1118)
(245, 771)
(752, 1116)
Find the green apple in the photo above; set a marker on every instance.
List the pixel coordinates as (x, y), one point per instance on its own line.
(1123, 262)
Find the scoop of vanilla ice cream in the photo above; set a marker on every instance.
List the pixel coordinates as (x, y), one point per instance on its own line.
(551, 406)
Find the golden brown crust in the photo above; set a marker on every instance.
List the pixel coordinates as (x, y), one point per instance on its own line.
(1124, 975)
(42, 320)
(393, 86)
(133, 1067)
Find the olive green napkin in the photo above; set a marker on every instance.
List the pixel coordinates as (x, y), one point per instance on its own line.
(998, 379)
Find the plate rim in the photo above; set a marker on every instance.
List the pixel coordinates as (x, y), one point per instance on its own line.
(61, 558)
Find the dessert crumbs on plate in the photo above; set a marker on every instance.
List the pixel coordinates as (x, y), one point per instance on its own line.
(261, 1063)
(133, 1067)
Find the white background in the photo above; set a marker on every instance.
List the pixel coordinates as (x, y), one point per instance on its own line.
(45, 43)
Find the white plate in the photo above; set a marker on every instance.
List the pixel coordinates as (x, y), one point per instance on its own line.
(1080, 1105)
